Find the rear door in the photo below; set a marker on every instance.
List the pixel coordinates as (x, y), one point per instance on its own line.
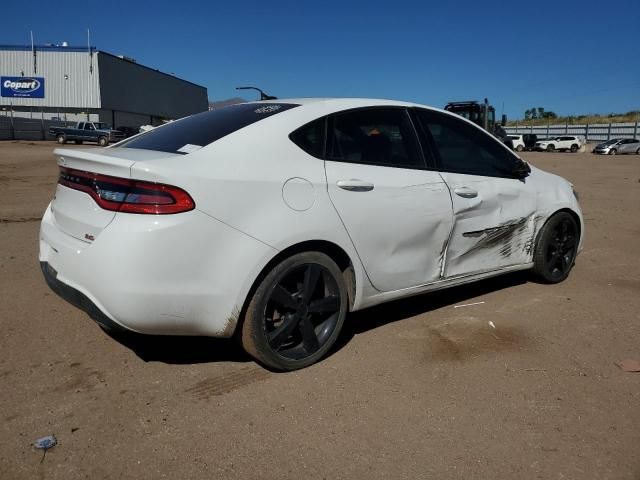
(493, 211)
(397, 213)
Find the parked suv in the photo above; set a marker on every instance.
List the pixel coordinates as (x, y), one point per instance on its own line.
(559, 143)
(518, 142)
(618, 145)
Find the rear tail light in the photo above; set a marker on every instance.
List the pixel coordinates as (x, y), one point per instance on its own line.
(126, 195)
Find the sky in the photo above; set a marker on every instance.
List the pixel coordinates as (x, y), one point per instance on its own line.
(571, 57)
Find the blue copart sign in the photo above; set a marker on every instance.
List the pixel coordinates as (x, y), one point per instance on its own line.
(23, 87)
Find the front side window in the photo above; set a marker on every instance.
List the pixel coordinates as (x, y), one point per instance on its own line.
(376, 136)
(463, 148)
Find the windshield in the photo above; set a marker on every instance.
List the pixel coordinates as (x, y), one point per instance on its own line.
(612, 141)
(192, 133)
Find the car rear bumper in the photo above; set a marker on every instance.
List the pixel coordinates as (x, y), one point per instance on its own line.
(184, 274)
(77, 298)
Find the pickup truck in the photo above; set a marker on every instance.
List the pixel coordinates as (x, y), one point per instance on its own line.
(87, 132)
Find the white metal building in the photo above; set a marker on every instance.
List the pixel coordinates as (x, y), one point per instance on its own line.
(74, 84)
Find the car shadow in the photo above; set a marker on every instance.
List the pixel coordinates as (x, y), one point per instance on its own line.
(374, 317)
(181, 350)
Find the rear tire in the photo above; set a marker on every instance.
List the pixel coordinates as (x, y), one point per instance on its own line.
(103, 141)
(556, 248)
(638, 151)
(519, 148)
(296, 313)
(62, 139)
(574, 148)
(551, 148)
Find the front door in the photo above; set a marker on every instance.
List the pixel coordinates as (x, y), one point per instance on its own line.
(397, 213)
(494, 213)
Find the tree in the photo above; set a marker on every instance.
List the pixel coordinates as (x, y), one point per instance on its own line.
(538, 113)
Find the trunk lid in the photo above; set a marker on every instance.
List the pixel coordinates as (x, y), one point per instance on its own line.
(75, 212)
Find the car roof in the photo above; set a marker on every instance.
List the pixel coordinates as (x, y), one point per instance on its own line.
(341, 101)
(329, 105)
(345, 103)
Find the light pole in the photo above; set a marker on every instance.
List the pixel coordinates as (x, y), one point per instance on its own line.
(64, 99)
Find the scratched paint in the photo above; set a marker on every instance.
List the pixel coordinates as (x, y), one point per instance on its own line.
(507, 236)
(529, 245)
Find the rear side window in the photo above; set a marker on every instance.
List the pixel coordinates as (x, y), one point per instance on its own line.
(191, 133)
(310, 137)
(376, 136)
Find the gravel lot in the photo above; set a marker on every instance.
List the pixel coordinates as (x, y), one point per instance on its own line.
(415, 389)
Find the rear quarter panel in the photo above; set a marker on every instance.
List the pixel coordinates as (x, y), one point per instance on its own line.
(240, 181)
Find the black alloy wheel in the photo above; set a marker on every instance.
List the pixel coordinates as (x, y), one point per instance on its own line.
(551, 148)
(557, 248)
(296, 313)
(574, 148)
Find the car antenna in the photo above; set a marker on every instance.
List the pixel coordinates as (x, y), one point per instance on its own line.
(263, 96)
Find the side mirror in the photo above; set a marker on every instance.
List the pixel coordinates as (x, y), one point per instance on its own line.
(521, 170)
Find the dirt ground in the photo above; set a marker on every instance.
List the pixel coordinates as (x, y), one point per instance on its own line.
(415, 389)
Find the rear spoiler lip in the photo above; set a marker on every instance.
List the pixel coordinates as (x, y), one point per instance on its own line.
(109, 161)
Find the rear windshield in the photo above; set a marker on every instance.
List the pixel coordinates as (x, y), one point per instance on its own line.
(192, 133)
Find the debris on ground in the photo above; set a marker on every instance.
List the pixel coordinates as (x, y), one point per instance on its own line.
(629, 365)
(44, 444)
(468, 304)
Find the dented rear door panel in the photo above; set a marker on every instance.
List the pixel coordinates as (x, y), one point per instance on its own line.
(399, 226)
(494, 223)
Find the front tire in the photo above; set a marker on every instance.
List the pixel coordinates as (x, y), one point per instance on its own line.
(551, 148)
(613, 151)
(556, 248)
(103, 141)
(296, 313)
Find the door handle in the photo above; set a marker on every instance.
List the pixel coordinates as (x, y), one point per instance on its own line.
(355, 185)
(465, 192)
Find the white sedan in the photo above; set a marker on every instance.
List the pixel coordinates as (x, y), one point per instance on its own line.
(272, 220)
